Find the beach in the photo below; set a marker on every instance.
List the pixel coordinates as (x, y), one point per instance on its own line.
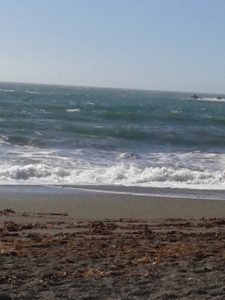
(111, 193)
(112, 150)
(85, 244)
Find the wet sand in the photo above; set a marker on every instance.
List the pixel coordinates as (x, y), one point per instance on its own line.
(97, 205)
(87, 245)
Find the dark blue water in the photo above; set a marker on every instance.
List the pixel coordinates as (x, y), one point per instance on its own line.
(56, 134)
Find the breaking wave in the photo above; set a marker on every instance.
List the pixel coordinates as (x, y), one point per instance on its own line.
(128, 173)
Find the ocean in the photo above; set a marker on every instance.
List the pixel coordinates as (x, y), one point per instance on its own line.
(61, 135)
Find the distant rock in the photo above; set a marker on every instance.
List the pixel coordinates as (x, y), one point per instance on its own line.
(194, 96)
(219, 98)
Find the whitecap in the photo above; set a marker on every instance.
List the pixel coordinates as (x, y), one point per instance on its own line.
(3, 139)
(73, 110)
(38, 133)
(7, 90)
(127, 155)
(211, 99)
(32, 92)
(176, 112)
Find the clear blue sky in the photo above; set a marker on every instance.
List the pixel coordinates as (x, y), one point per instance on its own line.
(149, 44)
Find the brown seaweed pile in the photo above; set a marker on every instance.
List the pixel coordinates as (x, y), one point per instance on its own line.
(52, 256)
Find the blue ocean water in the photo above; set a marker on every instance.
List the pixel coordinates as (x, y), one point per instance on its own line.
(76, 135)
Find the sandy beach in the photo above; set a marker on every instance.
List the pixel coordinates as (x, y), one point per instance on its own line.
(90, 245)
(90, 203)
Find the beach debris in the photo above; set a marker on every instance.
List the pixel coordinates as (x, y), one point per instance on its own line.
(12, 226)
(101, 228)
(7, 211)
(53, 214)
(87, 253)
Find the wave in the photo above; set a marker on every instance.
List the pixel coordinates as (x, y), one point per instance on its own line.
(69, 133)
(7, 90)
(23, 140)
(127, 174)
(32, 92)
(73, 110)
(3, 140)
(128, 155)
(211, 99)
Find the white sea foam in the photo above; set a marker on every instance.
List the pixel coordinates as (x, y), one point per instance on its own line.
(7, 90)
(182, 170)
(211, 99)
(127, 155)
(73, 110)
(38, 133)
(32, 92)
(119, 174)
(3, 139)
(176, 111)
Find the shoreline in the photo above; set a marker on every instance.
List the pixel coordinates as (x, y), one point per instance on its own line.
(86, 203)
(168, 192)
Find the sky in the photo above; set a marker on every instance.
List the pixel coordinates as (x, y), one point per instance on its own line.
(171, 45)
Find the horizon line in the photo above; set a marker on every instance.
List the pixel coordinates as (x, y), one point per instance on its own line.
(106, 87)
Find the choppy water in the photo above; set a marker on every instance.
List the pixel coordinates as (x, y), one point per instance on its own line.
(72, 135)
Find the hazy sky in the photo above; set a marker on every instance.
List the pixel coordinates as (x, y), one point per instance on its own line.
(150, 44)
